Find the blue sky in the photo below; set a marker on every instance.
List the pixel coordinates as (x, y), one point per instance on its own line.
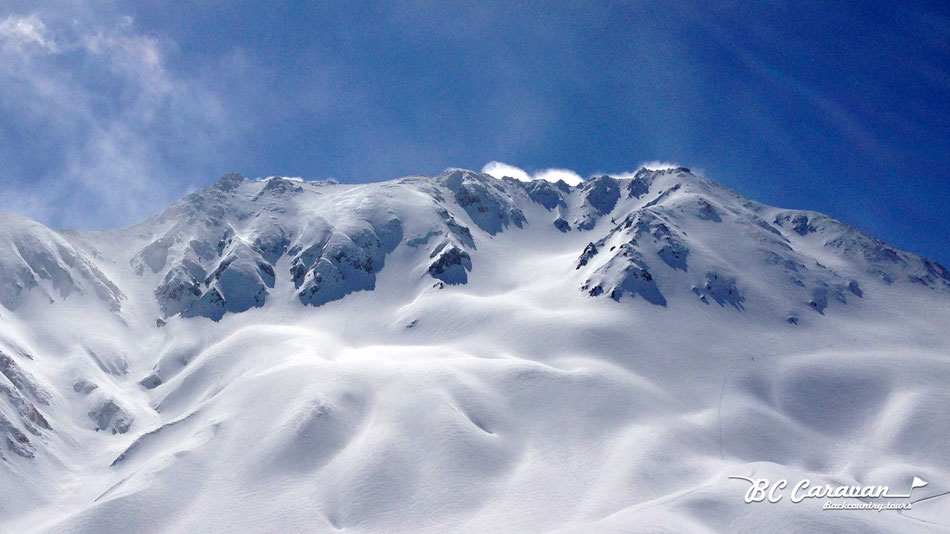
(112, 110)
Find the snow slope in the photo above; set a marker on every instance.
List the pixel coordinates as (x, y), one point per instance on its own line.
(461, 353)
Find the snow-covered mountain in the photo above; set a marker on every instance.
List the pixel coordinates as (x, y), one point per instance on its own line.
(461, 353)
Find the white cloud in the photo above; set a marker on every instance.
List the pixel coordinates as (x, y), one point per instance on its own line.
(499, 170)
(26, 34)
(553, 175)
(139, 56)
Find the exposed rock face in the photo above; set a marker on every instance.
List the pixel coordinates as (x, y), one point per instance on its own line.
(84, 386)
(600, 197)
(277, 186)
(238, 283)
(647, 228)
(640, 184)
(544, 193)
(797, 222)
(181, 288)
(19, 415)
(451, 265)
(461, 232)
(589, 252)
(344, 263)
(484, 199)
(108, 416)
(625, 274)
(721, 289)
(272, 246)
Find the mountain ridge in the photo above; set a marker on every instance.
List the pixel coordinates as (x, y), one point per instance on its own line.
(226, 272)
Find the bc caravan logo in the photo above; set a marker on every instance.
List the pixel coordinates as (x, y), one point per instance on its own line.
(761, 489)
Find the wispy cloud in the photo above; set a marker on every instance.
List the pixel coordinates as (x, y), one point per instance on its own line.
(115, 121)
(26, 34)
(138, 57)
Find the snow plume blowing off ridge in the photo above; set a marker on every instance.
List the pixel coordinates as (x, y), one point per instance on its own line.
(500, 170)
(469, 353)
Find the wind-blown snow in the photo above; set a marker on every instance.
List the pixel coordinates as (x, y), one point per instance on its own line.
(501, 170)
(465, 353)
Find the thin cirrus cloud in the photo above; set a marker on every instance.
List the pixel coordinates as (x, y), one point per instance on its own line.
(26, 34)
(95, 121)
(499, 170)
